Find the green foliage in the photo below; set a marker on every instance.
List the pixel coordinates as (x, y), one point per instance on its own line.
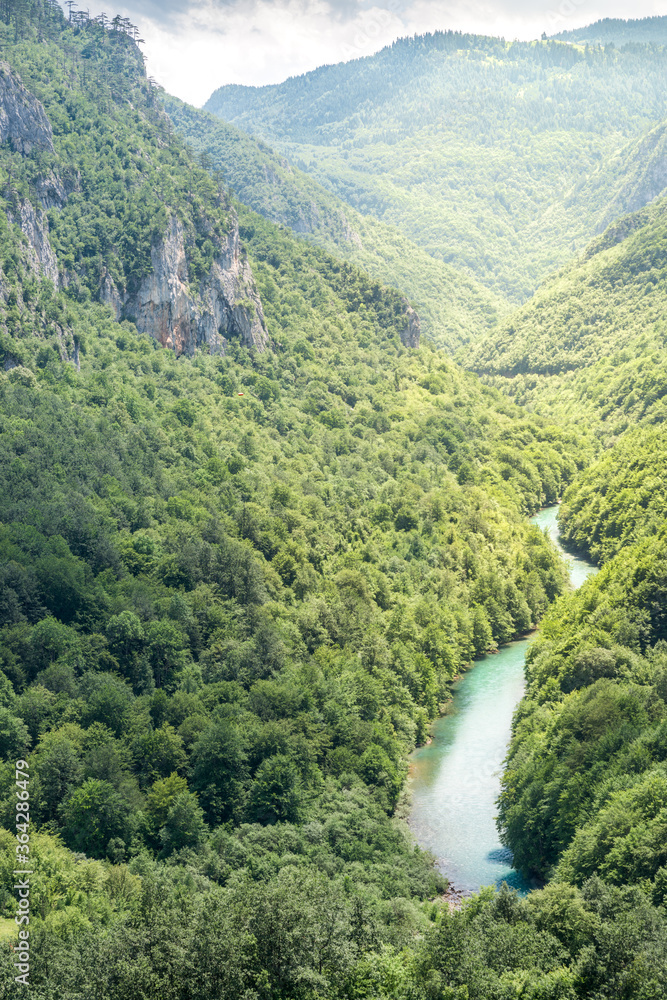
(499, 158)
(306, 932)
(93, 815)
(581, 793)
(452, 306)
(619, 31)
(622, 498)
(596, 307)
(234, 589)
(116, 176)
(590, 346)
(589, 736)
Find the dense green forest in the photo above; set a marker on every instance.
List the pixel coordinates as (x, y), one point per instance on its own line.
(595, 308)
(617, 31)
(499, 158)
(622, 498)
(590, 345)
(453, 306)
(239, 571)
(596, 697)
(584, 790)
(234, 586)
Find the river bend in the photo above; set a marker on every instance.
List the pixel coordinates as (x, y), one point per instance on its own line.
(455, 780)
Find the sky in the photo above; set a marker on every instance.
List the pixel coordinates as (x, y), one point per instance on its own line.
(194, 46)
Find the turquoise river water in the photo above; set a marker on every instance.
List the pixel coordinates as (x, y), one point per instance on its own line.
(455, 780)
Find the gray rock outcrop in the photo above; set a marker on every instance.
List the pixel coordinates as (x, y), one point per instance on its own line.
(412, 332)
(40, 257)
(23, 120)
(38, 253)
(645, 176)
(224, 306)
(51, 191)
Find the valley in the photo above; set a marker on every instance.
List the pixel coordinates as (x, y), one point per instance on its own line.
(455, 780)
(499, 159)
(286, 383)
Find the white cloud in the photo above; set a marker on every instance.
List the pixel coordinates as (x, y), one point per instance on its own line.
(257, 43)
(192, 48)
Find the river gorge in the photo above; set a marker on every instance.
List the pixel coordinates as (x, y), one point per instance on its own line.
(455, 779)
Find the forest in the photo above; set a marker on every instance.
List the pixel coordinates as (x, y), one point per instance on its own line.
(619, 32)
(499, 158)
(453, 306)
(239, 571)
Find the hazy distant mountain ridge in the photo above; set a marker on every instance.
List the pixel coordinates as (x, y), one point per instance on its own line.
(454, 307)
(475, 148)
(616, 289)
(617, 31)
(641, 169)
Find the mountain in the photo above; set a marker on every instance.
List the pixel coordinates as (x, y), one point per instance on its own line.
(641, 172)
(583, 799)
(251, 528)
(491, 156)
(582, 794)
(617, 31)
(592, 308)
(121, 221)
(453, 307)
(592, 339)
(249, 532)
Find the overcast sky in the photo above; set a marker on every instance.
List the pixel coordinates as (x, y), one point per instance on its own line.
(194, 46)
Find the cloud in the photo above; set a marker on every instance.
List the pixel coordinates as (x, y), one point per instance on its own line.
(194, 46)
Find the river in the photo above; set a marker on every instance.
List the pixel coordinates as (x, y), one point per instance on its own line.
(455, 780)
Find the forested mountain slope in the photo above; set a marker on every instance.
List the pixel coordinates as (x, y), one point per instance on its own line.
(617, 31)
(634, 176)
(584, 792)
(493, 157)
(584, 789)
(623, 497)
(593, 308)
(453, 307)
(249, 533)
(590, 344)
(106, 202)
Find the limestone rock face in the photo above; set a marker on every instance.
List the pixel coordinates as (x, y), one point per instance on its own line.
(23, 120)
(40, 256)
(110, 294)
(646, 177)
(412, 332)
(51, 191)
(224, 306)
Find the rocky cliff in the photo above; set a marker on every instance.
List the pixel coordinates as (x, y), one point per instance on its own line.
(25, 125)
(52, 192)
(223, 307)
(39, 255)
(412, 332)
(23, 120)
(645, 176)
